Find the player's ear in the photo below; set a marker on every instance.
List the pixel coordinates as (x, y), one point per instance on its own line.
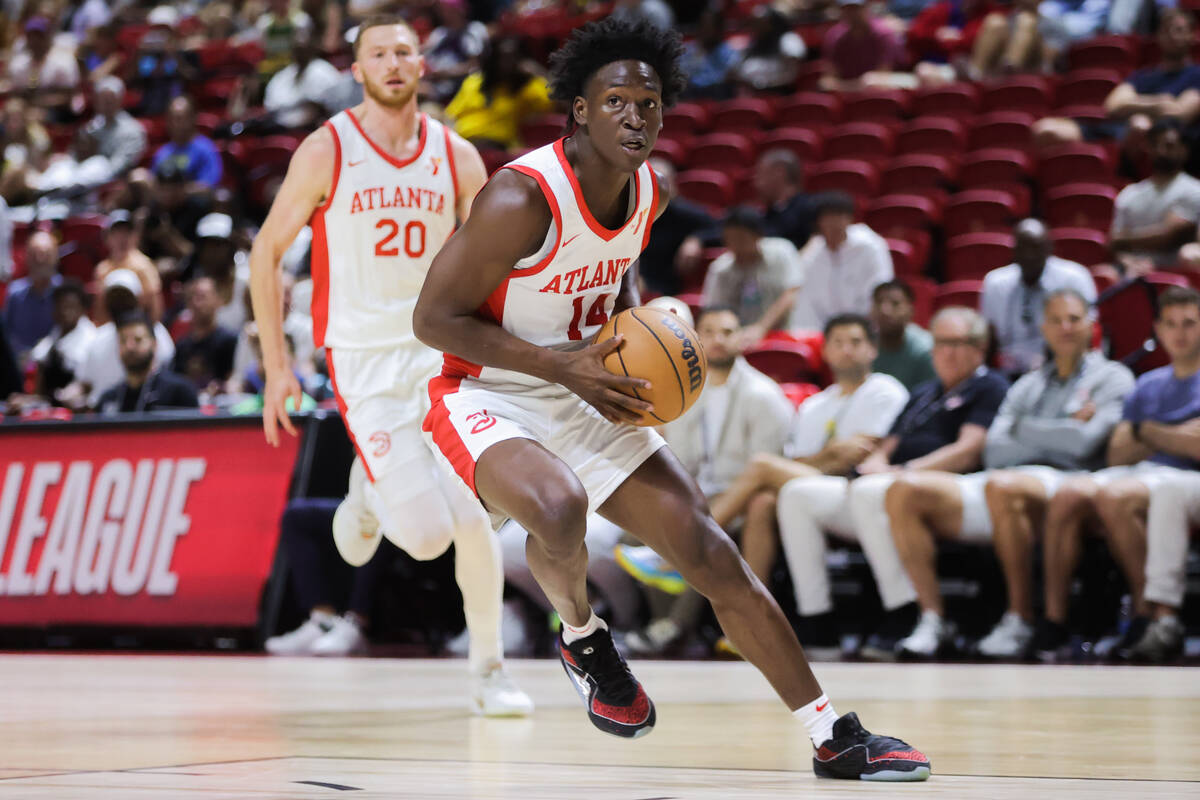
(579, 111)
(422, 72)
(356, 71)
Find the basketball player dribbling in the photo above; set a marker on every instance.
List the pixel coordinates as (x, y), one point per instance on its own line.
(383, 186)
(528, 417)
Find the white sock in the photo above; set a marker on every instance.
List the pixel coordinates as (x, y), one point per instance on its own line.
(571, 633)
(818, 717)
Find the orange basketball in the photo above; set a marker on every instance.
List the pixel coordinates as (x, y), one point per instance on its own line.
(659, 347)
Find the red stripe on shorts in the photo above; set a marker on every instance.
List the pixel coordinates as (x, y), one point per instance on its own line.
(445, 435)
(341, 404)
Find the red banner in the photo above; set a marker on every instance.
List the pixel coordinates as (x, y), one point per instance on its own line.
(139, 525)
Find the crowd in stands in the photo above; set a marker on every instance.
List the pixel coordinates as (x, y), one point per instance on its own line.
(887, 212)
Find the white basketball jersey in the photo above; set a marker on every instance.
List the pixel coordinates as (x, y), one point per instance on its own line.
(561, 296)
(377, 233)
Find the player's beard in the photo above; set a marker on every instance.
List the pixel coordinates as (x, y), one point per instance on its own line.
(387, 98)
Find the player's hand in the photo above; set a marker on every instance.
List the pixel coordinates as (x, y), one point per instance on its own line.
(279, 387)
(584, 374)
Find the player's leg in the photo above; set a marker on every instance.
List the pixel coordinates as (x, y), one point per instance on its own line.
(1174, 508)
(1070, 508)
(661, 505)
(1016, 502)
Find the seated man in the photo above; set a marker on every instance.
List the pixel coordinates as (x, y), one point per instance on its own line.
(942, 427)
(904, 346)
(204, 354)
(779, 185)
(1059, 415)
(145, 388)
(1174, 509)
(1013, 296)
(1153, 443)
(677, 238)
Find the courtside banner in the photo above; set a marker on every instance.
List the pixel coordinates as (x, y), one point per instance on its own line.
(142, 524)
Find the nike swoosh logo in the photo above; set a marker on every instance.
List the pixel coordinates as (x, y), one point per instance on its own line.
(822, 708)
(573, 238)
(355, 163)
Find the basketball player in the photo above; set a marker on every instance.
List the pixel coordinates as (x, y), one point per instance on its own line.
(382, 187)
(528, 417)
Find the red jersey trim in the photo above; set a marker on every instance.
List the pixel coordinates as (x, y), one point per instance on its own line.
(320, 250)
(453, 168)
(341, 404)
(395, 162)
(653, 215)
(337, 168)
(604, 233)
(552, 201)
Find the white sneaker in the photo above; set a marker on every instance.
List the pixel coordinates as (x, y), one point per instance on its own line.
(493, 694)
(355, 529)
(932, 634)
(1009, 639)
(300, 641)
(343, 638)
(654, 639)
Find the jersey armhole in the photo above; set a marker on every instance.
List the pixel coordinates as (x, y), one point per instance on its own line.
(337, 169)
(453, 168)
(555, 213)
(653, 215)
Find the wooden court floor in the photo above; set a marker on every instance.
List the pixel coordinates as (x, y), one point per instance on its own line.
(131, 727)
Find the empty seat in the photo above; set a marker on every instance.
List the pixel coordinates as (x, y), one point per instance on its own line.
(671, 150)
(979, 210)
(905, 173)
(1085, 87)
(742, 115)
(958, 293)
(864, 140)
(1104, 52)
(721, 151)
(1075, 162)
(943, 136)
(1082, 245)
(809, 108)
(970, 256)
(1019, 93)
(924, 291)
(799, 392)
(1001, 129)
(804, 142)
(786, 362)
(991, 165)
(1127, 313)
(921, 242)
(542, 129)
(898, 212)
(1080, 205)
(951, 100)
(874, 105)
(685, 119)
(707, 187)
(903, 258)
(859, 178)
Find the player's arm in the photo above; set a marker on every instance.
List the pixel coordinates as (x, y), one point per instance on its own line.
(508, 222)
(309, 178)
(470, 176)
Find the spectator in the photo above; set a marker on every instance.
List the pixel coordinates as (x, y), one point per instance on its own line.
(779, 184)
(905, 347)
(217, 258)
(187, 151)
(1169, 91)
(950, 32)
(653, 12)
(452, 51)
(124, 254)
(255, 378)
(6, 236)
(69, 183)
(831, 433)
(708, 59)
(1154, 441)
(1174, 509)
(204, 355)
(491, 104)
(741, 413)
(1153, 217)
(101, 366)
(771, 61)
(24, 139)
(942, 427)
(758, 277)
(275, 30)
(860, 50)
(100, 53)
(307, 90)
(840, 266)
(676, 240)
(29, 306)
(62, 351)
(1014, 296)
(47, 73)
(146, 387)
(1064, 22)
(162, 69)
(119, 137)
(1059, 415)
(91, 14)
(168, 213)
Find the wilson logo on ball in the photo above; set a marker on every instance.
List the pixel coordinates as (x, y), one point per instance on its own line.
(695, 374)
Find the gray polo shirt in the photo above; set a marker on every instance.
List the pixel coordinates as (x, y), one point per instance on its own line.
(750, 290)
(1035, 424)
(1145, 203)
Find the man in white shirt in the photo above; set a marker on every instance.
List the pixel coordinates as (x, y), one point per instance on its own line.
(1013, 296)
(840, 266)
(758, 277)
(63, 350)
(306, 90)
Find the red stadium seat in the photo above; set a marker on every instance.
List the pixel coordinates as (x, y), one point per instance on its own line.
(984, 168)
(921, 242)
(1081, 205)
(78, 262)
(542, 129)
(1019, 93)
(1104, 52)
(1075, 162)
(707, 187)
(865, 140)
(785, 362)
(685, 119)
(742, 115)
(973, 255)
(809, 109)
(924, 291)
(897, 212)
(804, 142)
(858, 178)
(958, 293)
(273, 151)
(905, 173)
(671, 150)
(799, 392)
(942, 136)
(903, 258)
(874, 105)
(1081, 245)
(1127, 313)
(952, 100)
(1011, 129)
(86, 232)
(1085, 87)
(978, 211)
(721, 151)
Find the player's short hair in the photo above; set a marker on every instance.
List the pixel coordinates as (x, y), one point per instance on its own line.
(898, 285)
(599, 43)
(846, 320)
(745, 217)
(1178, 296)
(379, 21)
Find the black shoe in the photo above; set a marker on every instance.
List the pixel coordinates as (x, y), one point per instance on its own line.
(896, 624)
(1049, 640)
(615, 701)
(856, 754)
(1136, 629)
(818, 634)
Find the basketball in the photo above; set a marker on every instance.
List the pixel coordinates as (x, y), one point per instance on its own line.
(659, 347)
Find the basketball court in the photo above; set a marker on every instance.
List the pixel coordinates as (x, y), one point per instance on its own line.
(132, 726)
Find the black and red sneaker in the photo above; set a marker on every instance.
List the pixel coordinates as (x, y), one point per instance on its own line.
(856, 754)
(616, 703)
